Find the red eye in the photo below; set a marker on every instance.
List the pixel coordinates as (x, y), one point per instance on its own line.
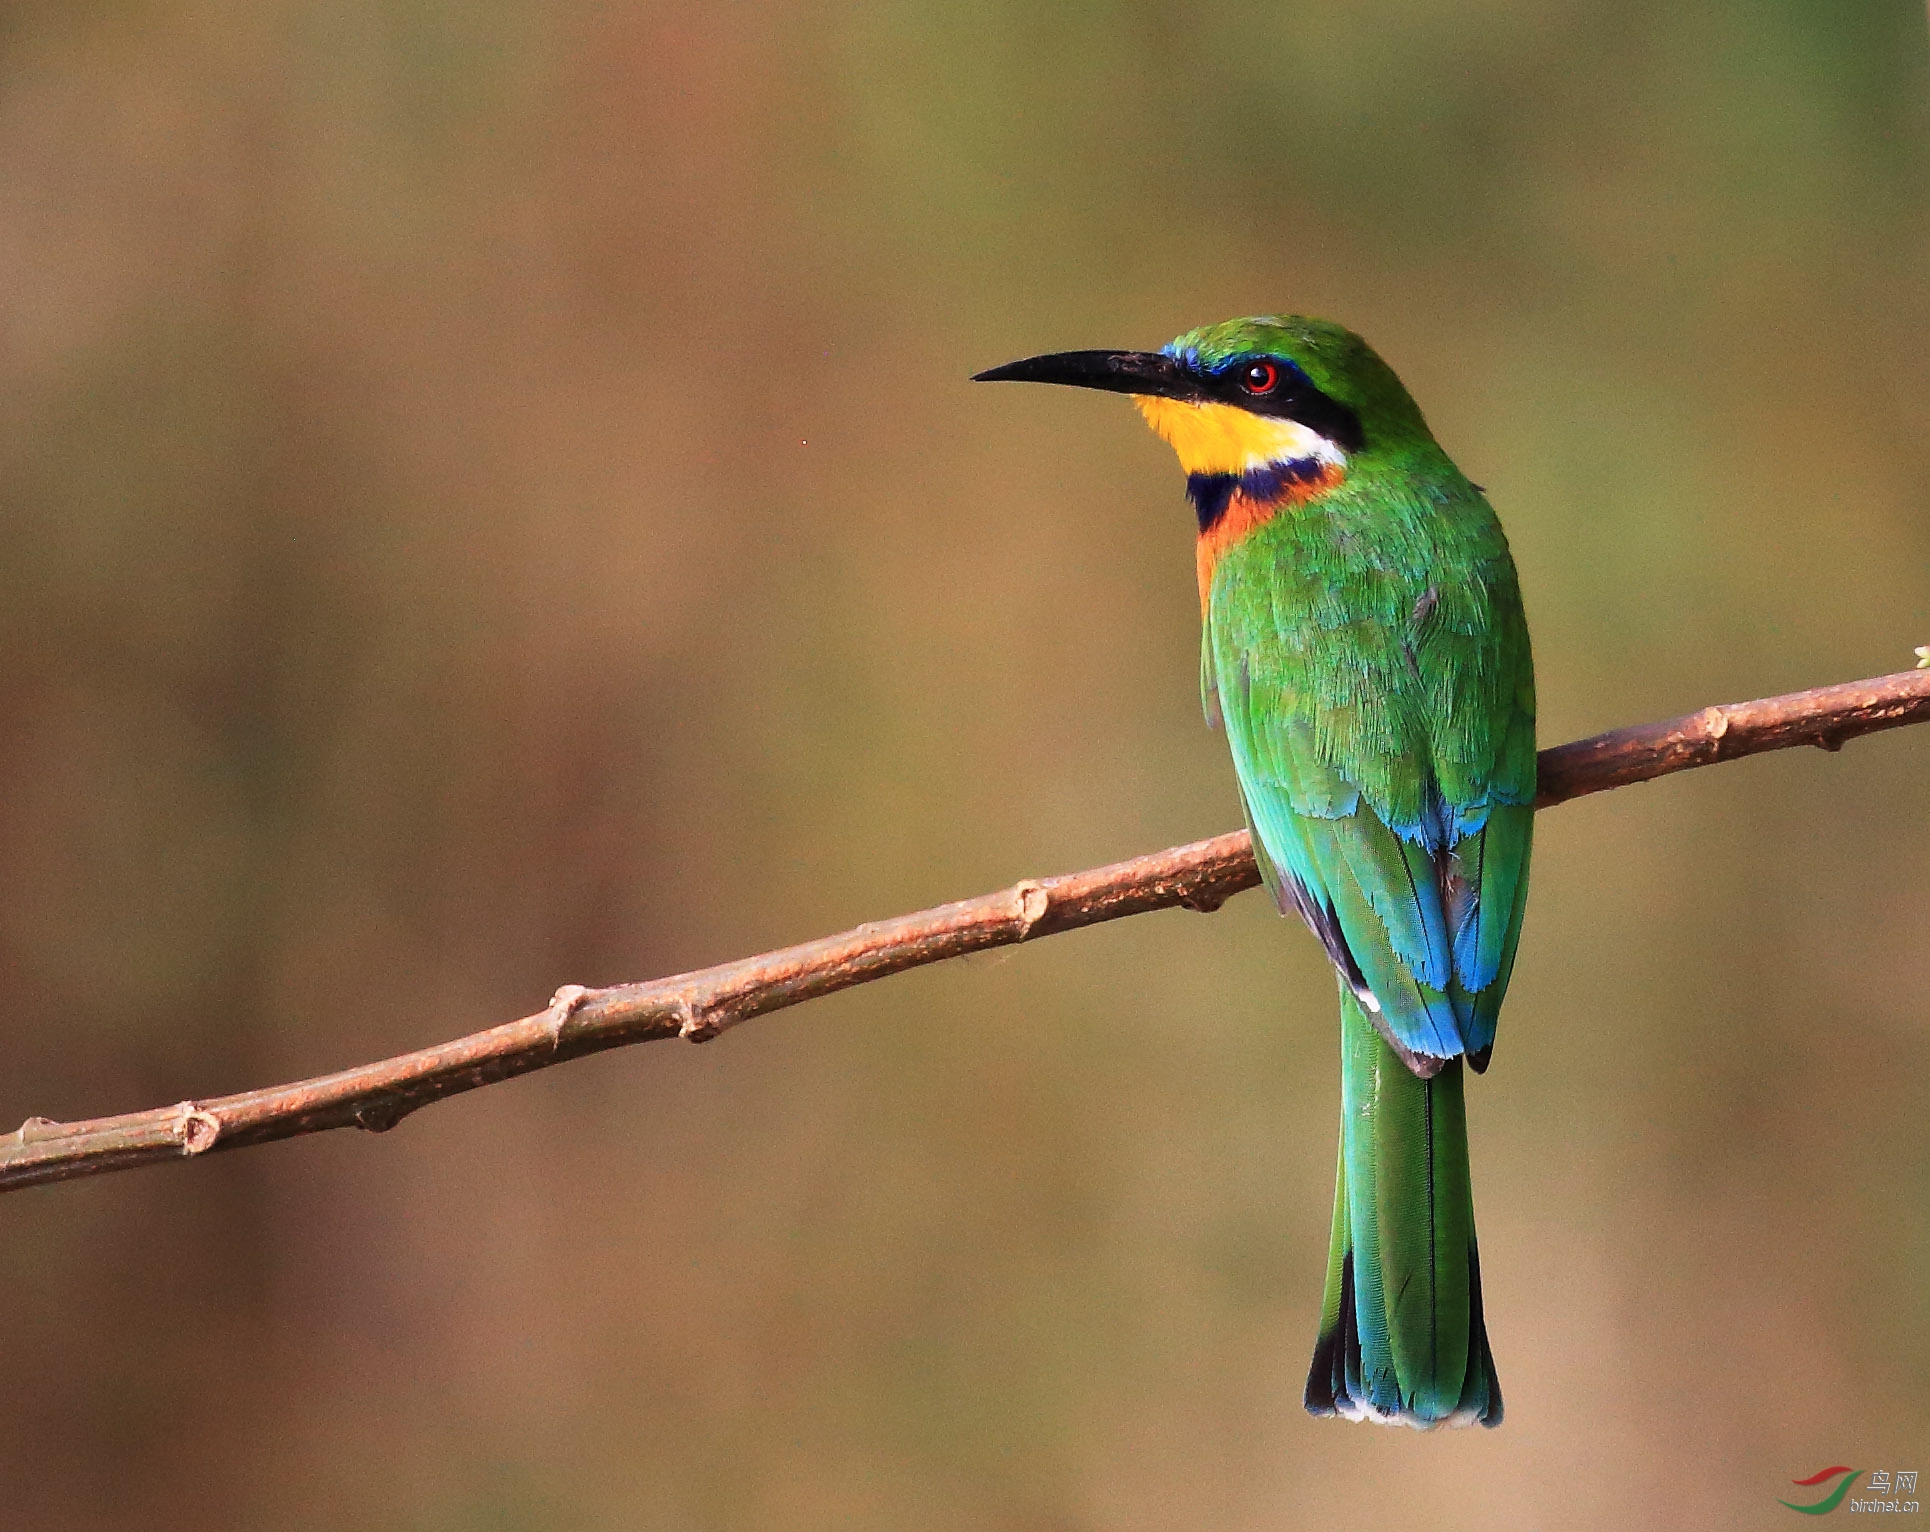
(1261, 378)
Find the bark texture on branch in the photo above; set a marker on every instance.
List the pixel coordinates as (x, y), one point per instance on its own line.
(699, 1005)
(1825, 717)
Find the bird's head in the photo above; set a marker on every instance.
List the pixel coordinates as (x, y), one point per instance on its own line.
(1247, 396)
(1264, 414)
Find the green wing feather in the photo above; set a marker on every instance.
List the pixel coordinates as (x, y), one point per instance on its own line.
(1378, 695)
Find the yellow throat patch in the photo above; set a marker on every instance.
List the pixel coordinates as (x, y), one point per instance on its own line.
(1222, 438)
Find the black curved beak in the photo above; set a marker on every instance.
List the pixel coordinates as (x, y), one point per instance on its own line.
(1116, 372)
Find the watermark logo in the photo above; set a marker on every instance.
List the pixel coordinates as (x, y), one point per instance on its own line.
(1886, 1490)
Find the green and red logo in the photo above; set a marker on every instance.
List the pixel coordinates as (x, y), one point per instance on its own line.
(1830, 1501)
(1886, 1490)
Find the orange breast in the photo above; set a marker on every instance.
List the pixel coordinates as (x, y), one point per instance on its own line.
(1245, 514)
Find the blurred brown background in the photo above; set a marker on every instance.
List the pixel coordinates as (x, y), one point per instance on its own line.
(491, 498)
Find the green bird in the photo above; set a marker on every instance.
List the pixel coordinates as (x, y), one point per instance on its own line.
(1364, 645)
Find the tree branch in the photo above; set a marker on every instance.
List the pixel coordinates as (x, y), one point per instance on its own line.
(699, 1005)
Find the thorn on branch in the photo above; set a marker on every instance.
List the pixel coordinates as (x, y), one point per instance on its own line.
(1030, 901)
(197, 1128)
(563, 1005)
(698, 1023)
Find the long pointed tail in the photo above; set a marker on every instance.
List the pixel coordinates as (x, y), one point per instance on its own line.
(1401, 1334)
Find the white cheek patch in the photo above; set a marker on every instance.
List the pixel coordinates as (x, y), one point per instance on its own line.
(1288, 441)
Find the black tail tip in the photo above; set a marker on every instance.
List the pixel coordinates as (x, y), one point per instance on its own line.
(1335, 1386)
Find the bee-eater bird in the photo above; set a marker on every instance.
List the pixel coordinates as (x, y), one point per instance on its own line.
(1364, 644)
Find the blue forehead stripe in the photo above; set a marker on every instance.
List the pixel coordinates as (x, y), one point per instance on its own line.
(1190, 358)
